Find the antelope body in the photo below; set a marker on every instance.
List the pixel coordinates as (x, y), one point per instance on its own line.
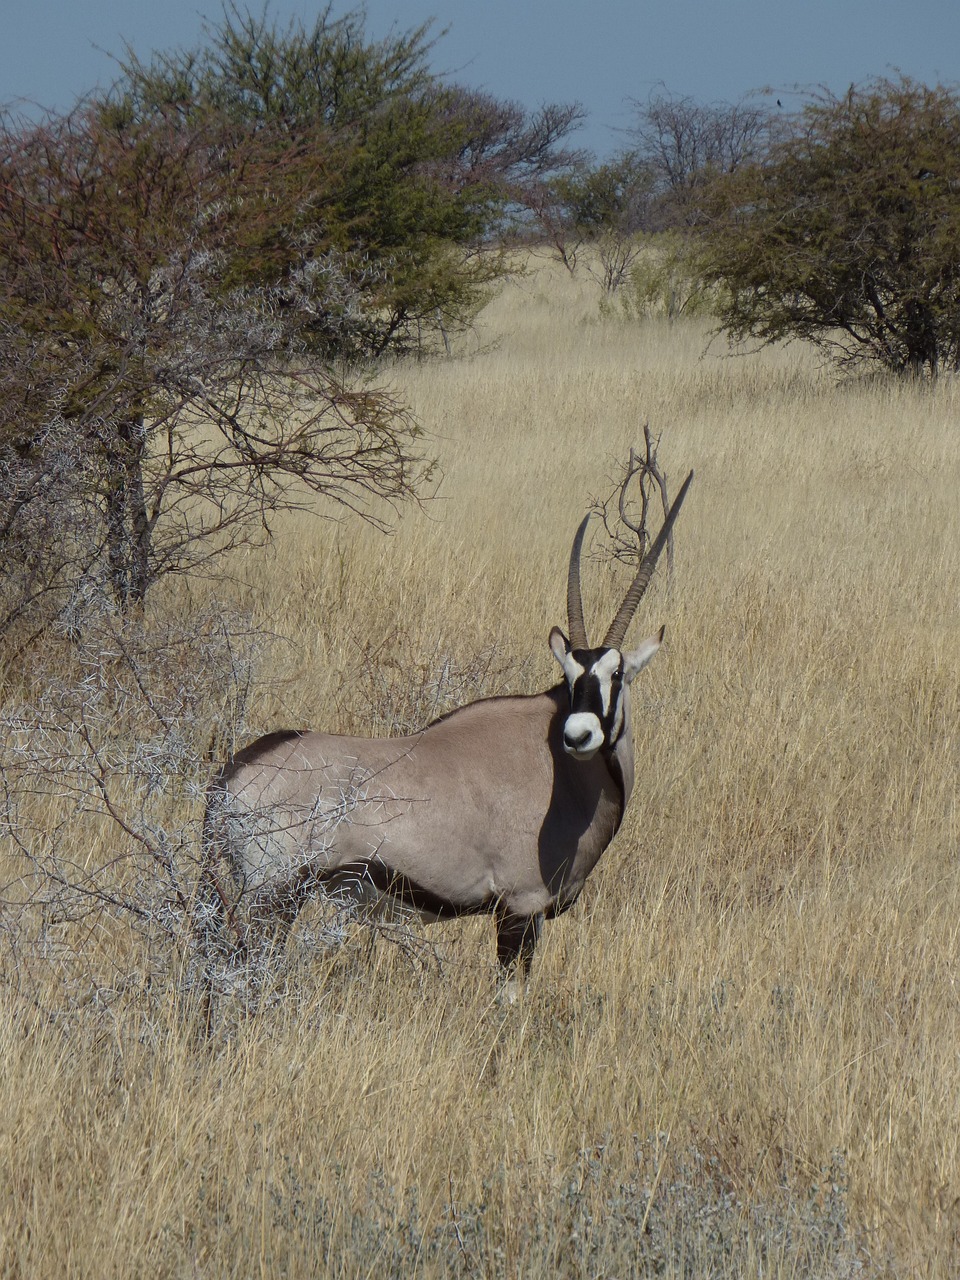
(503, 806)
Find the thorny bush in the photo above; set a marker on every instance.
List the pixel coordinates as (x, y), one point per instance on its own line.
(105, 741)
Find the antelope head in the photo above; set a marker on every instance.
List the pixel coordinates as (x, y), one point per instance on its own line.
(598, 677)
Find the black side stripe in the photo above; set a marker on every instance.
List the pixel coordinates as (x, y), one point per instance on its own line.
(404, 890)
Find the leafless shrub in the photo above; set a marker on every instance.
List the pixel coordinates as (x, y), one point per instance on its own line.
(105, 744)
(677, 1215)
(684, 142)
(616, 254)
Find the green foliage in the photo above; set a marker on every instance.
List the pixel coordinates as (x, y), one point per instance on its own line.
(254, 73)
(604, 205)
(666, 280)
(607, 196)
(848, 233)
(404, 179)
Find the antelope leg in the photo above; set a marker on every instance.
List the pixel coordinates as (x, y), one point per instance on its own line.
(517, 940)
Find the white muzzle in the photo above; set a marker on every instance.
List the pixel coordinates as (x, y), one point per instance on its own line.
(582, 735)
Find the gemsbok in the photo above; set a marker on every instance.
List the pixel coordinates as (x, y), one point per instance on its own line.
(503, 806)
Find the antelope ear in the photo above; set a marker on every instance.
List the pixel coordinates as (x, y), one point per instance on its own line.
(637, 659)
(559, 645)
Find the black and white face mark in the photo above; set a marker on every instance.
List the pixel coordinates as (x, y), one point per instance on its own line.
(596, 680)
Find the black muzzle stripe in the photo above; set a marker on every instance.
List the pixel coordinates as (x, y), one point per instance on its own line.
(586, 697)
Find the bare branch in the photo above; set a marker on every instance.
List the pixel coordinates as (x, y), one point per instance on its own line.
(632, 495)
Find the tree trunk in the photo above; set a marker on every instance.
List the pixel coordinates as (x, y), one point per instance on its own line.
(128, 522)
(921, 340)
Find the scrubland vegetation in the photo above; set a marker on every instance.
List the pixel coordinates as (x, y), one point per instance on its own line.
(738, 1055)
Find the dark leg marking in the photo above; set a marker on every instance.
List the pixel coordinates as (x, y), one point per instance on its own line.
(517, 938)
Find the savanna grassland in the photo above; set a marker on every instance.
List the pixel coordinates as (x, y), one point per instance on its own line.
(740, 1052)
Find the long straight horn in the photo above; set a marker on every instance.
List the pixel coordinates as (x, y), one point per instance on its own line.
(618, 627)
(575, 622)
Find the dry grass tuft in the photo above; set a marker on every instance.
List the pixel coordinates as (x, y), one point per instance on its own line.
(739, 1055)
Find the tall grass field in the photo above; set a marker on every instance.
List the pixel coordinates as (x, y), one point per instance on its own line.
(739, 1054)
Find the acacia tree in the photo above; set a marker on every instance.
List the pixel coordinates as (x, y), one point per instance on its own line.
(417, 175)
(154, 408)
(848, 233)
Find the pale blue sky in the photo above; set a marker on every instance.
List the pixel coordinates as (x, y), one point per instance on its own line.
(598, 52)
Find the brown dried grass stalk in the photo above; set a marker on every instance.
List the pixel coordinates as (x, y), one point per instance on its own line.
(739, 1054)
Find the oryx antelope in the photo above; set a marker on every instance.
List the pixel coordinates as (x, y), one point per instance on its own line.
(503, 806)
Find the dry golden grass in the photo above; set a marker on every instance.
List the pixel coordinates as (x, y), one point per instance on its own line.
(740, 1053)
